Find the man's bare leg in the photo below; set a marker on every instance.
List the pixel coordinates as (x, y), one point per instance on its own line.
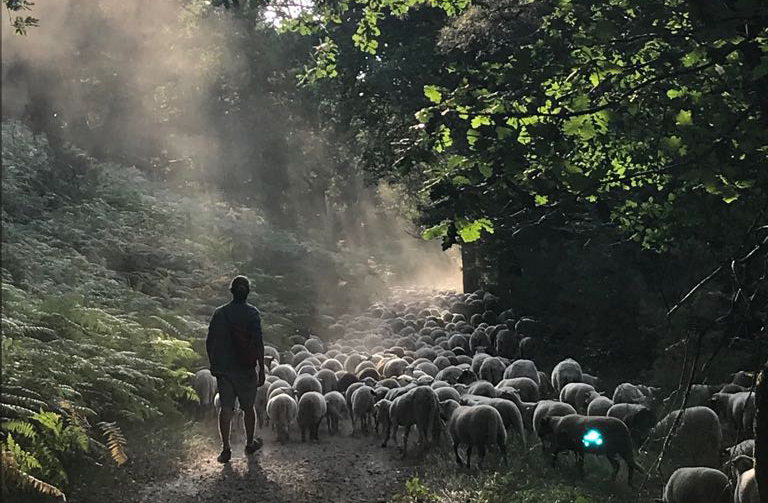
(225, 425)
(249, 418)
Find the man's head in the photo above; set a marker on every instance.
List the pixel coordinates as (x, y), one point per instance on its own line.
(240, 287)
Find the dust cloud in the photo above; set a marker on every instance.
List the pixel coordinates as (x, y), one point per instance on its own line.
(160, 85)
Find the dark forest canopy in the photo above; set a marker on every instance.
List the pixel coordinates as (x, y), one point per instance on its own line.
(634, 129)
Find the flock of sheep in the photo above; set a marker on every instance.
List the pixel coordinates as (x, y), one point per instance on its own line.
(458, 364)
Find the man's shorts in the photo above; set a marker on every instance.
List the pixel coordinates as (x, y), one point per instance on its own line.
(240, 384)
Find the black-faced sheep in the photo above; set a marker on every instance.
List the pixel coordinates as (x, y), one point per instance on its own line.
(574, 432)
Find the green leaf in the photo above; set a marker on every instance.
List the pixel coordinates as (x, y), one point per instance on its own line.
(444, 138)
(581, 126)
(674, 93)
(470, 231)
(435, 231)
(480, 120)
(540, 199)
(485, 169)
(472, 136)
(460, 180)
(433, 94)
(502, 133)
(684, 118)
(694, 57)
(423, 115)
(761, 70)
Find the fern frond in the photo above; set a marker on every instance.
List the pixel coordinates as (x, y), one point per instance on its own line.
(11, 410)
(22, 428)
(24, 401)
(115, 441)
(23, 480)
(166, 327)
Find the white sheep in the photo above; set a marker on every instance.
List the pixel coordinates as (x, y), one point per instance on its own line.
(695, 442)
(527, 387)
(492, 370)
(381, 415)
(285, 372)
(260, 405)
(509, 411)
(312, 409)
(420, 407)
(736, 410)
(746, 490)
(636, 393)
(638, 418)
(549, 408)
(475, 426)
(578, 395)
(447, 393)
(696, 485)
(599, 406)
(567, 371)
(305, 383)
(362, 407)
(206, 388)
(523, 368)
(328, 380)
(282, 410)
(336, 405)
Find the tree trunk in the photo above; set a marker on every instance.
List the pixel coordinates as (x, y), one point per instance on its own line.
(469, 268)
(761, 434)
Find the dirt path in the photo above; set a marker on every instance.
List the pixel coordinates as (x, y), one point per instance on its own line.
(341, 468)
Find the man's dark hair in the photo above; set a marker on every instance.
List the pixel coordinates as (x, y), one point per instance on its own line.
(240, 287)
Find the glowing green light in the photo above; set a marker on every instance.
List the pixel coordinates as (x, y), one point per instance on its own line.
(592, 438)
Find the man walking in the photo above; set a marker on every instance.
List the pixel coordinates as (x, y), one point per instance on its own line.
(235, 346)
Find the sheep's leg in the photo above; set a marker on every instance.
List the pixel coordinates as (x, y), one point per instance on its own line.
(405, 440)
(328, 422)
(630, 468)
(580, 463)
(386, 434)
(503, 449)
(615, 465)
(469, 454)
(481, 452)
(554, 457)
(303, 433)
(456, 451)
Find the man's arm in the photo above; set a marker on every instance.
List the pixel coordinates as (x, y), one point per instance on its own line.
(258, 335)
(209, 340)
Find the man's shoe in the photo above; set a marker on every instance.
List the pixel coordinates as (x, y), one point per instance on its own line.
(253, 446)
(225, 456)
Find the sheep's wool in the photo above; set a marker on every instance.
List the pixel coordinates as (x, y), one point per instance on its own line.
(592, 438)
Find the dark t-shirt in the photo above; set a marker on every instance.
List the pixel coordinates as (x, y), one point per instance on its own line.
(221, 352)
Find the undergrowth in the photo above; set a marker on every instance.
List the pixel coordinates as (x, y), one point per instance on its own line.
(526, 479)
(108, 281)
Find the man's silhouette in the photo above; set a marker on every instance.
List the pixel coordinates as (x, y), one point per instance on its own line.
(230, 325)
